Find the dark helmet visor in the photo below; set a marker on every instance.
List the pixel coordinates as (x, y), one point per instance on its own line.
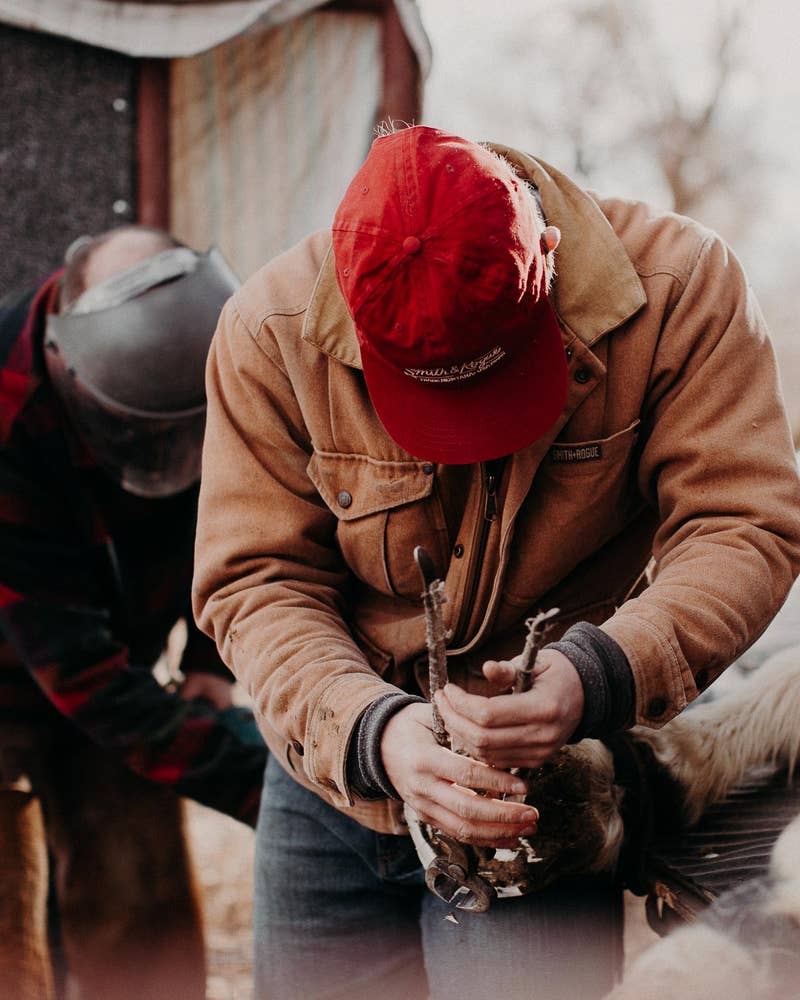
(131, 374)
(147, 454)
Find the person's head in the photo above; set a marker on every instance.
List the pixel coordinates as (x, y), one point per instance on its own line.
(442, 257)
(89, 260)
(126, 352)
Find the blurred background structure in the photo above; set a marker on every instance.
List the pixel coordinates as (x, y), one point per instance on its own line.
(245, 130)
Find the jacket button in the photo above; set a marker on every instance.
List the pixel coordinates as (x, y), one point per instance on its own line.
(582, 375)
(702, 679)
(297, 746)
(458, 550)
(657, 707)
(428, 468)
(344, 499)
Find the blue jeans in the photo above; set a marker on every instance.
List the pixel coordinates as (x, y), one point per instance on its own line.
(343, 912)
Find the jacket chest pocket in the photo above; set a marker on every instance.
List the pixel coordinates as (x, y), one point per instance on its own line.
(592, 483)
(584, 494)
(384, 510)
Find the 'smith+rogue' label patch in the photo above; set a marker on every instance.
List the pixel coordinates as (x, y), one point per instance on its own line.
(565, 453)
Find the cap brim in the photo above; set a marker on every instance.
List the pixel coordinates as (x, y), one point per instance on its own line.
(493, 414)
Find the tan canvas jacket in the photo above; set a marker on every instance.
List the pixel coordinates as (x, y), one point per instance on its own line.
(673, 442)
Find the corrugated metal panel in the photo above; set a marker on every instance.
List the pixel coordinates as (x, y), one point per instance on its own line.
(731, 844)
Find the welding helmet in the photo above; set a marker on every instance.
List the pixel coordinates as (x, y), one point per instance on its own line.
(128, 357)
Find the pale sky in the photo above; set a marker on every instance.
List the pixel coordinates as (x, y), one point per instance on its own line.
(477, 93)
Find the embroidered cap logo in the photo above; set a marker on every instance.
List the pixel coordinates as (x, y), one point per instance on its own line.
(458, 373)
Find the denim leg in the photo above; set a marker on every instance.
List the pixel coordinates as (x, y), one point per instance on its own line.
(336, 905)
(341, 912)
(564, 943)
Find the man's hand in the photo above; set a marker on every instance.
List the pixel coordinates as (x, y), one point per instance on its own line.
(439, 784)
(516, 730)
(215, 690)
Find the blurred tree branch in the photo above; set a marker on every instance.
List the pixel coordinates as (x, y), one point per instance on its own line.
(618, 95)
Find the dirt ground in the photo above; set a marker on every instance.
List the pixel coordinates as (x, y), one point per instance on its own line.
(223, 855)
(222, 850)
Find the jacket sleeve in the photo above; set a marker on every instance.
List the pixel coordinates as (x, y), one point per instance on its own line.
(718, 465)
(270, 584)
(53, 614)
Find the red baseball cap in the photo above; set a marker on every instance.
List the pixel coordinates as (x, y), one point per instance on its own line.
(438, 257)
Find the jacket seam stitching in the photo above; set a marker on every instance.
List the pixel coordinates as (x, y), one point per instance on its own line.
(275, 359)
(280, 311)
(682, 275)
(256, 337)
(266, 311)
(256, 334)
(347, 456)
(672, 656)
(315, 730)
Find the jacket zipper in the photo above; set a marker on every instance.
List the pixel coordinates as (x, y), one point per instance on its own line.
(489, 485)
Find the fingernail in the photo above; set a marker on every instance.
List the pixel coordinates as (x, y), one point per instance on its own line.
(527, 830)
(519, 788)
(530, 816)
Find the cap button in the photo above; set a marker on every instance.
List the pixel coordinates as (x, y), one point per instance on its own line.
(411, 245)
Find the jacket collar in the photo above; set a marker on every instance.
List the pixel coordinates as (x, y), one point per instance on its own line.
(597, 288)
